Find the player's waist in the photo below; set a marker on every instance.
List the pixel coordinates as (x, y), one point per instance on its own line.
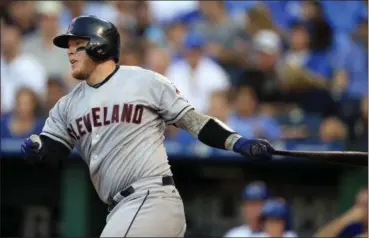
(140, 185)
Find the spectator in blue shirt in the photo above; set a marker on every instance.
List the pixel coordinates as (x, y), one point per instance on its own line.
(22, 122)
(279, 14)
(345, 16)
(353, 223)
(247, 117)
(302, 54)
(175, 32)
(351, 65)
(234, 7)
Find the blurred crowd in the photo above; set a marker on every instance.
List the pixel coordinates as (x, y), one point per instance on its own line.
(269, 69)
(268, 216)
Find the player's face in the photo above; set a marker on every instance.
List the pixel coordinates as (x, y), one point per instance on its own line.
(82, 64)
(252, 210)
(274, 227)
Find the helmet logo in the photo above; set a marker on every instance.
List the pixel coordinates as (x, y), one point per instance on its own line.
(70, 27)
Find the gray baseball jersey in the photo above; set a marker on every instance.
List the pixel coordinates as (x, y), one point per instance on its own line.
(118, 128)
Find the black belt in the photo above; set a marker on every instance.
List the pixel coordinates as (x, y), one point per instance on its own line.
(166, 180)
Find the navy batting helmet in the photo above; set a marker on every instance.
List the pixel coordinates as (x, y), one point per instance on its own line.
(103, 36)
(277, 208)
(256, 191)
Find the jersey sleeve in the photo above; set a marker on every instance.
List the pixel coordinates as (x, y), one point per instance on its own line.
(56, 125)
(171, 105)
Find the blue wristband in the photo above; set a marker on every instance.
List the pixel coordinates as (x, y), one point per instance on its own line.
(240, 144)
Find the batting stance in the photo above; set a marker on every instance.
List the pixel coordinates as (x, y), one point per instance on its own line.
(116, 117)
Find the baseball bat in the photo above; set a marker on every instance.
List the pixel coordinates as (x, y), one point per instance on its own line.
(343, 157)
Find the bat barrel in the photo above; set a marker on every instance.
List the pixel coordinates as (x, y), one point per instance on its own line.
(343, 157)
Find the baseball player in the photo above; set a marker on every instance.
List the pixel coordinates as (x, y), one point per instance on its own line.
(255, 194)
(115, 118)
(276, 219)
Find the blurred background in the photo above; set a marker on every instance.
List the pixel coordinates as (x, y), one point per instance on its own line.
(295, 73)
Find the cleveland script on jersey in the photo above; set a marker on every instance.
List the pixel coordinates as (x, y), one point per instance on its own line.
(118, 127)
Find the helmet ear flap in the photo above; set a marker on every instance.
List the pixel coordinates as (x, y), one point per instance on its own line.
(98, 48)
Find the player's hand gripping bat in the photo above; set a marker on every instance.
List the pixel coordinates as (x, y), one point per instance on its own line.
(342, 157)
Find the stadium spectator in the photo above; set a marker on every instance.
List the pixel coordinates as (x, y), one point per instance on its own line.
(132, 54)
(259, 18)
(219, 106)
(278, 14)
(22, 121)
(301, 55)
(197, 76)
(17, 68)
(247, 118)
(297, 124)
(254, 197)
(163, 11)
(256, 18)
(175, 31)
(73, 9)
(145, 26)
(123, 14)
(56, 89)
(263, 71)
(220, 30)
(319, 37)
(307, 69)
(321, 32)
(40, 43)
(151, 59)
(332, 129)
(353, 223)
(22, 15)
(360, 130)
(267, 48)
(354, 11)
(351, 65)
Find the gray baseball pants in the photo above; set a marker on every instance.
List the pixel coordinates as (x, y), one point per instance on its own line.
(153, 210)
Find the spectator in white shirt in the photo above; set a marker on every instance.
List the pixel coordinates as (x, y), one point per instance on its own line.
(197, 76)
(166, 10)
(17, 68)
(40, 44)
(103, 9)
(254, 195)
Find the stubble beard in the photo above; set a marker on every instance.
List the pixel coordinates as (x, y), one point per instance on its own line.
(82, 74)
